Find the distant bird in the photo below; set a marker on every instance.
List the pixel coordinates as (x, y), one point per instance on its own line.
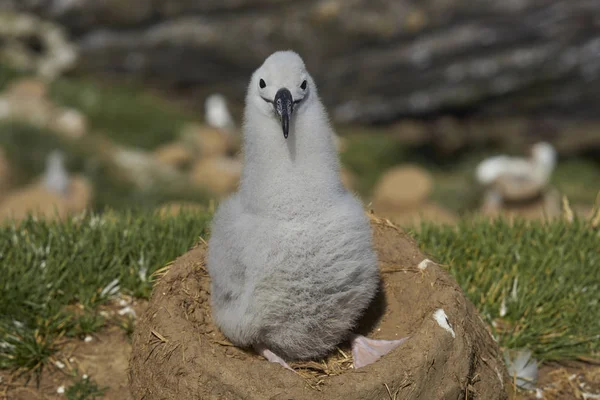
(54, 195)
(217, 113)
(291, 256)
(516, 178)
(56, 177)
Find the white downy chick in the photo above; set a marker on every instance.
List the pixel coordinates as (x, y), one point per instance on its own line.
(291, 255)
(217, 113)
(56, 177)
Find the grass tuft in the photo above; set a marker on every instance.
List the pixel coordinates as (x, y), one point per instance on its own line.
(536, 284)
(56, 275)
(84, 389)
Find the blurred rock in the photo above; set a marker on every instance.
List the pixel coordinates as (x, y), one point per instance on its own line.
(220, 175)
(38, 200)
(206, 141)
(402, 195)
(28, 88)
(34, 199)
(175, 155)
(69, 122)
(402, 187)
(31, 44)
(25, 100)
(374, 60)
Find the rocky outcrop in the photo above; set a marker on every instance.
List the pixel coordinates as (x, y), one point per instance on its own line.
(402, 195)
(373, 60)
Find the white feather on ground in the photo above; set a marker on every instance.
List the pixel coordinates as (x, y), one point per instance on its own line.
(523, 367)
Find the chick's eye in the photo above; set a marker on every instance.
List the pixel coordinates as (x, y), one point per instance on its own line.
(262, 84)
(303, 85)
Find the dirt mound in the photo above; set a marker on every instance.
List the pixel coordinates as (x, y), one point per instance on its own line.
(218, 174)
(175, 154)
(37, 200)
(178, 353)
(546, 206)
(403, 186)
(206, 141)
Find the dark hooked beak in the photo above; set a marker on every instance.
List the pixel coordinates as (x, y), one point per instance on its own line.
(284, 106)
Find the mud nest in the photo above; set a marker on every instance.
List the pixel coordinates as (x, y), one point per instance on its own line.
(178, 353)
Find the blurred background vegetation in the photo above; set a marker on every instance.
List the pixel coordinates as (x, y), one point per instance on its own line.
(417, 94)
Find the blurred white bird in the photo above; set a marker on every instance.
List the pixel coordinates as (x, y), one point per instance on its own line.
(217, 113)
(517, 178)
(56, 177)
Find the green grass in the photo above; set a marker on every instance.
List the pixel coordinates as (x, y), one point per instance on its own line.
(548, 276)
(48, 269)
(368, 156)
(578, 179)
(125, 113)
(7, 75)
